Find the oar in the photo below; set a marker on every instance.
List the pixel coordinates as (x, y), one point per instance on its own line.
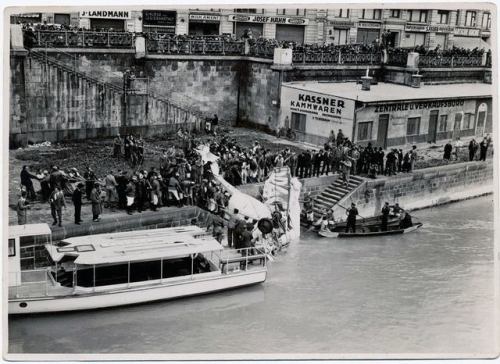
(345, 208)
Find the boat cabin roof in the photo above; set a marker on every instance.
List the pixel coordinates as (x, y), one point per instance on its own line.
(28, 230)
(140, 245)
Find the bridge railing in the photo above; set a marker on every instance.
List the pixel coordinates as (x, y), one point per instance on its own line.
(198, 46)
(449, 61)
(84, 39)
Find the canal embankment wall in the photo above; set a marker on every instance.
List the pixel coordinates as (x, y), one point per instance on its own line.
(422, 188)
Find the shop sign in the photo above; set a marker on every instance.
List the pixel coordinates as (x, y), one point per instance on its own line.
(418, 105)
(28, 15)
(320, 105)
(106, 14)
(342, 24)
(267, 19)
(204, 17)
(467, 32)
(429, 28)
(369, 25)
(159, 17)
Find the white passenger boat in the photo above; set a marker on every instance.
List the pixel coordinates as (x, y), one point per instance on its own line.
(106, 270)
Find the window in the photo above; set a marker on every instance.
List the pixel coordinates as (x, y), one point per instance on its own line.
(486, 23)
(443, 123)
(470, 18)
(280, 11)
(458, 121)
(468, 121)
(365, 130)
(457, 22)
(419, 16)
(443, 16)
(413, 126)
(12, 247)
(395, 13)
(371, 14)
(251, 11)
(341, 36)
(301, 12)
(299, 122)
(341, 13)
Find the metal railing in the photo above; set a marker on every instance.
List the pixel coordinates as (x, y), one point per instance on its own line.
(449, 61)
(336, 58)
(30, 283)
(85, 39)
(248, 255)
(397, 59)
(199, 46)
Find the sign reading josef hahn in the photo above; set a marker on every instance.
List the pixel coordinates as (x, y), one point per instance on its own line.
(267, 19)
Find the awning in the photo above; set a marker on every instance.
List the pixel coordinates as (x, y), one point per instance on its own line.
(470, 42)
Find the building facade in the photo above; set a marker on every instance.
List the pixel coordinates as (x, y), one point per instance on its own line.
(389, 114)
(468, 28)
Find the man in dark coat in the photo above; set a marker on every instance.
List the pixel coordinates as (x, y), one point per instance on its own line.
(77, 202)
(385, 216)
(483, 149)
(26, 177)
(473, 146)
(448, 148)
(351, 218)
(90, 179)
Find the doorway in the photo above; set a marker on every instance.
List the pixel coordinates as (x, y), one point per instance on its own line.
(433, 123)
(383, 127)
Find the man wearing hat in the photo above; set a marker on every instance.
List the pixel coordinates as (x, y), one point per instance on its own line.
(351, 218)
(77, 202)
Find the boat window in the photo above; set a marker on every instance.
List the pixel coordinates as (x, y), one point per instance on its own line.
(66, 249)
(85, 248)
(12, 247)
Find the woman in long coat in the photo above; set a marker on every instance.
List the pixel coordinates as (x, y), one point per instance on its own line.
(95, 199)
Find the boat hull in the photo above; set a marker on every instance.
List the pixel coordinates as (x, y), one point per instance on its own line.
(136, 295)
(333, 234)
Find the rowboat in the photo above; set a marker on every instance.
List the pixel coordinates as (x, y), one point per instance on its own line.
(107, 270)
(340, 234)
(369, 227)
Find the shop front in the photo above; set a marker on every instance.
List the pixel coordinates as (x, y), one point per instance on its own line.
(469, 38)
(339, 31)
(104, 20)
(287, 28)
(368, 32)
(204, 24)
(388, 115)
(161, 21)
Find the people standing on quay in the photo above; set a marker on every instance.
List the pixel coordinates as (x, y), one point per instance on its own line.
(90, 179)
(413, 158)
(77, 202)
(22, 209)
(57, 202)
(110, 185)
(95, 199)
(351, 218)
(130, 193)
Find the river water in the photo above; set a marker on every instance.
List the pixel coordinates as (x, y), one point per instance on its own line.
(431, 292)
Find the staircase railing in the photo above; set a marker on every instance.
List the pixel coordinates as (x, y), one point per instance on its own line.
(72, 64)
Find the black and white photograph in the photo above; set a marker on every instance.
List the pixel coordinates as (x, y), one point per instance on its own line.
(250, 181)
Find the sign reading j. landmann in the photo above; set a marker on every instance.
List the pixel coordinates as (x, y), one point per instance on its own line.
(324, 104)
(112, 14)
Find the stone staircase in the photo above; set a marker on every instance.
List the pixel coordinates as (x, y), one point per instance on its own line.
(334, 193)
(65, 65)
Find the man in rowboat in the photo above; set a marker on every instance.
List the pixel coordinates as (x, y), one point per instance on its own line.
(351, 218)
(385, 216)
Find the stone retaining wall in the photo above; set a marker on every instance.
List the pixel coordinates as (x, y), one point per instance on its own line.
(422, 188)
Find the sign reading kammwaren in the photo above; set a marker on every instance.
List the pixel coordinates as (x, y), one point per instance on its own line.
(323, 112)
(107, 14)
(267, 19)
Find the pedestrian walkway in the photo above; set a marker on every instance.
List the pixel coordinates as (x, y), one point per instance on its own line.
(333, 194)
